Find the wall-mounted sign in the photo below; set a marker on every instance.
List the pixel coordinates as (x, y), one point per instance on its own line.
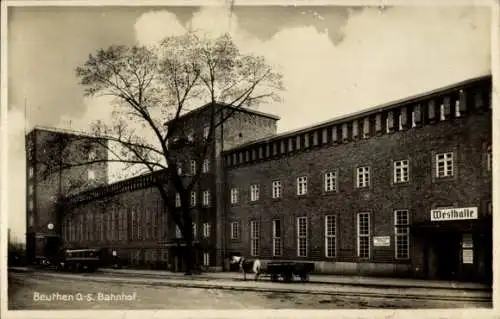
(381, 241)
(454, 214)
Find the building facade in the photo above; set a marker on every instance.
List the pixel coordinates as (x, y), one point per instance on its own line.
(402, 189)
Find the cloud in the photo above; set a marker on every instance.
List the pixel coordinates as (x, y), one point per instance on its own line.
(384, 55)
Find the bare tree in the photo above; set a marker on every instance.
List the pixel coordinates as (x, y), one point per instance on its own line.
(152, 88)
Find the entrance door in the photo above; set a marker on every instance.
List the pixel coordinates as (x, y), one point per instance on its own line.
(448, 256)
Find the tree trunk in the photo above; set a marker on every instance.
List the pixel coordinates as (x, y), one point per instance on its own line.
(188, 237)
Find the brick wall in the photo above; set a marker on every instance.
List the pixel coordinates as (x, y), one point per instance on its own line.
(466, 136)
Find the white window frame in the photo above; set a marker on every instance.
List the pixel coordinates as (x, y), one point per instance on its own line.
(400, 121)
(441, 113)
(234, 195)
(206, 165)
(413, 119)
(178, 233)
(206, 198)
(277, 242)
(206, 259)
(254, 192)
(301, 185)
(363, 176)
(448, 162)
(177, 200)
(330, 236)
(254, 238)
(91, 175)
(401, 233)
(276, 189)
(302, 236)
(235, 230)
(193, 167)
(194, 230)
(330, 181)
(193, 199)
(206, 230)
(399, 167)
(360, 235)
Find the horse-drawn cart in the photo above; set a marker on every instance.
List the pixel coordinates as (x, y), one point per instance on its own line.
(289, 270)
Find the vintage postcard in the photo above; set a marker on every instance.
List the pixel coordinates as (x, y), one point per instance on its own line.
(240, 158)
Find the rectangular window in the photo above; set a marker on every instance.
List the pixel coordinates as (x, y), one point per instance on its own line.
(206, 198)
(234, 195)
(254, 192)
(30, 204)
(363, 177)
(177, 200)
(206, 259)
(331, 182)
(413, 119)
(206, 165)
(31, 171)
(442, 116)
(364, 235)
(193, 199)
(277, 249)
(401, 171)
(206, 230)
(193, 167)
(178, 233)
(302, 185)
(457, 108)
(254, 238)
(330, 236)
(402, 234)
(467, 249)
(276, 189)
(194, 231)
(444, 165)
(206, 131)
(235, 230)
(302, 237)
(30, 189)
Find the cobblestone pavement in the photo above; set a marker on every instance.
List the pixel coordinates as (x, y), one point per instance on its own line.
(28, 291)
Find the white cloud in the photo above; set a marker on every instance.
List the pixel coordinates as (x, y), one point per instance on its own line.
(384, 56)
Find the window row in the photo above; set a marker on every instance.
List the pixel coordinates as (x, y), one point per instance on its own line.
(205, 167)
(206, 231)
(445, 167)
(363, 236)
(436, 109)
(206, 199)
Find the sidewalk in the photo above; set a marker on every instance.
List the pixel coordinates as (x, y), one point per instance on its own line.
(316, 279)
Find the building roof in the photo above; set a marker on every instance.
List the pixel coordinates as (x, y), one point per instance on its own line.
(241, 109)
(61, 131)
(365, 112)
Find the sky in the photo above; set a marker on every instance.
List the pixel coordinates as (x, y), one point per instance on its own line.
(335, 60)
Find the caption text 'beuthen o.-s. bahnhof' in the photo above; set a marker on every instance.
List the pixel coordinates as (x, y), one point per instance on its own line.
(402, 189)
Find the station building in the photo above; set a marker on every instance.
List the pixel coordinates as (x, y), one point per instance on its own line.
(401, 189)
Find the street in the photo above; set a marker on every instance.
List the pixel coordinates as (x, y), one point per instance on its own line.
(38, 291)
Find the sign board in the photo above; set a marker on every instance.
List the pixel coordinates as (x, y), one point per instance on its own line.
(381, 241)
(448, 214)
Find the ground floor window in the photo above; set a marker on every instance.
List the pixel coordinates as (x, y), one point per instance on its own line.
(276, 237)
(330, 236)
(302, 237)
(402, 234)
(364, 235)
(254, 238)
(467, 249)
(206, 259)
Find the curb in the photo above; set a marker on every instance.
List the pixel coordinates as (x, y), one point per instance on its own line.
(315, 291)
(338, 283)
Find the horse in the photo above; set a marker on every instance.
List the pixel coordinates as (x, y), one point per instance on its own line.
(247, 266)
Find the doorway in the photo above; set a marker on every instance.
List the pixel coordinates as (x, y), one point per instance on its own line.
(447, 255)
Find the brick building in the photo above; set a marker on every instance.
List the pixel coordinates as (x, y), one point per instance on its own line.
(399, 189)
(53, 173)
(356, 194)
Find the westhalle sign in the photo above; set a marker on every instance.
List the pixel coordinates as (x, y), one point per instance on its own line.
(454, 214)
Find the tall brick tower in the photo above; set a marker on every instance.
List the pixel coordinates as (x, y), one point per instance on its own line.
(58, 163)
